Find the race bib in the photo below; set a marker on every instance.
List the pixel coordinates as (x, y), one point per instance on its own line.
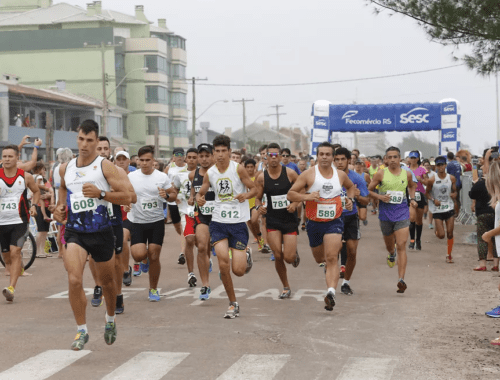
(150, 203)
(343, 203)
(396, 197)
(326, 211)
(207, 208)
(418, 196)
(443, 207)
(8, 204)
(230, 212)
(79, 203)
(110, 209)
(279, 201)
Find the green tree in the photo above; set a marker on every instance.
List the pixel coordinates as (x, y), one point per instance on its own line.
(475, 23)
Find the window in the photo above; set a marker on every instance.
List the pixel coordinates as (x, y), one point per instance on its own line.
(177, 42)
(156, 64)
(178, 100)
(178, 71)
(157, 122)
(114, 127)
(156, 94)
(121, 96)
(119, 62)
(179, 128)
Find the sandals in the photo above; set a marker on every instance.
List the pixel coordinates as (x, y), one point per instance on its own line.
(449, 260)
(286, 293)
(494, 269)
(480, 269)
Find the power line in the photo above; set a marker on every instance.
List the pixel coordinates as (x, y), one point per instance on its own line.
(328, 82)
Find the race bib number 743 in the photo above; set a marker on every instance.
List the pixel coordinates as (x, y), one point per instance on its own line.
(8, 204)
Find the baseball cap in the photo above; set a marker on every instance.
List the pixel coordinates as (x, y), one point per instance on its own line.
(414, 154)
(178, 150)
(122, 153)
(440, 160)
(204, 147)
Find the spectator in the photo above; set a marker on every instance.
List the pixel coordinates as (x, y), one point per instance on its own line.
(236, 156)
(455, 169)
(42, 218)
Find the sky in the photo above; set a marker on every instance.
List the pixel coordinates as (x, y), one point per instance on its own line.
(293, 41)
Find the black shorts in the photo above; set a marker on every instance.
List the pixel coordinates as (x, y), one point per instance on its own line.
(351, 228)
(100, 245)
(202, 219)
(423, 201)
(118, 232)
(127, 224)
(174, 214)
(41, 224)
(287, 227)
(148, 233)
(13, 234)
(444, 215)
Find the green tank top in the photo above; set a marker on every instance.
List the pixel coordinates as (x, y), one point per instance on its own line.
(391, 182)
(372, 171)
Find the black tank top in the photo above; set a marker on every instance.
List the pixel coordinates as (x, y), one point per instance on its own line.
(197, 183)
(276, 191)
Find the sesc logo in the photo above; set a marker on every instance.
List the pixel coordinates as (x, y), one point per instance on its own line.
(349, 114)
(320, 122)
(450, 108)
(449, 135)
(411, 118)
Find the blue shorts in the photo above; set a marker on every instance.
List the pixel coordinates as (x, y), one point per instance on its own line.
(236, 234)
(317, 230)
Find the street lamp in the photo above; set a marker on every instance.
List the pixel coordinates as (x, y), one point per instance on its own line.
(195, 118)
(144, 69)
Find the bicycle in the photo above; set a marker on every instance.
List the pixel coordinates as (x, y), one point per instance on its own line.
(28, 252)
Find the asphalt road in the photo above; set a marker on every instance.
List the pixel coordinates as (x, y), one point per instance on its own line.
(437, 329)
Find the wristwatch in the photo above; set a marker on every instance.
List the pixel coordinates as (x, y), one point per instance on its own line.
(257, 208)
(412, 199)
(103, 194)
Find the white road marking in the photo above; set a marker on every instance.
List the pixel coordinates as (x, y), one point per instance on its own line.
(214, 294)
(147, 365)
(255, 367)
(43, 365)
(367, 369)
(90, 291)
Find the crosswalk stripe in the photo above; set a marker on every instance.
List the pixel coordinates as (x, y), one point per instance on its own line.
(255, 367)
(147, 365)
(367, 369)
(43, 365)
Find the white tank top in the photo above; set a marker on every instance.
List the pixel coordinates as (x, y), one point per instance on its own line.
(181, 182)
(226, 186)
(173, 170)
(328, 188)
(441, 191)
(14, 208)
(86, 214)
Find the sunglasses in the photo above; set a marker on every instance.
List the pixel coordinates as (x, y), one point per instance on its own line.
(285, 155)
(178, 154)
(273, 155)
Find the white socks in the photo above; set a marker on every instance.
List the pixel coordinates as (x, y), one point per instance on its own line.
(344, 281)
(110, 319)
(82, 328)
(331, 290)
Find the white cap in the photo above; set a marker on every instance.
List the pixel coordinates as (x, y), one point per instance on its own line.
(122, 153)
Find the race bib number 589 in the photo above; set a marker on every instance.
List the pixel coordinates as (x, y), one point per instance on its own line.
(326, 211)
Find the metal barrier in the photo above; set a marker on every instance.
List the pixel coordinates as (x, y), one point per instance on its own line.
(466, 216)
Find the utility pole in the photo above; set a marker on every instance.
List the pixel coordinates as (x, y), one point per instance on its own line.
(243, 101)
(498, 113)
(278, 120)
(193, 79)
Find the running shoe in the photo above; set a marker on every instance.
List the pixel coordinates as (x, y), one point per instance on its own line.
(249, 260)
(110, 333)
(272, 258)
(401, 286)
(205, 293)
(211, 266)
(365, 222)
(329, 301)
(261, 244)
(145, 267)
(97, 298)
(321, 265)
(286, 293)
(182, 259)
(81, 338)
(412, 245)
(137, 270)
(296, 262)
(213, 252)
(154, 296)
(303, 227)
(120, 308)
(391, 260)
(192, 280)
(233, 311)
(127, 277)
(494, 313)
(494, 269)
(449, 260)
(9, 293)
(346, 289)
(418, 245)
(431, 227)
(425, 216)
(342, 271)
(374, 212)
(266, 249)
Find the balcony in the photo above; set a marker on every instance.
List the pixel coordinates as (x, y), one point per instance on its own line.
(136, 45)
(179, 56)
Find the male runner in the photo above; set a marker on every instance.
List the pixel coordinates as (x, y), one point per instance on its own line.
(148, 229)
(352, 233)
(323, 184)
(228, 229)
(253, 223)
(182, 184)
(203, 216)
(371, 171)
(236, 156)
(441, 191)
(14, 213)
(281, 215)
(359, 168)
(84, 195)
(285, 160)
(394, 214)
(178, 164)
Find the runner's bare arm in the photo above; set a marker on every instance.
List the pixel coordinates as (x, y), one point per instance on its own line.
(200, 197)
(346, 182)
(412, 188)
(292, 177)
(30, 165)
(303, 182)
(191, 193)
(128, 184)
(247, 181)
(454, 191)
(120, 195)
(259, 184)
(30, 183)
(428, 189)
